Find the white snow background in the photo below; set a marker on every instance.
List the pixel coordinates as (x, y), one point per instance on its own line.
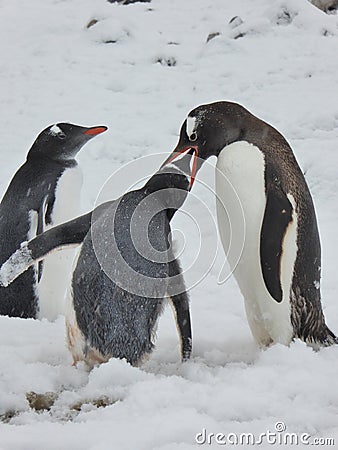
(139, 70)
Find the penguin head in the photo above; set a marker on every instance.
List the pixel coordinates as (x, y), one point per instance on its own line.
(62, 141)
(208, 129)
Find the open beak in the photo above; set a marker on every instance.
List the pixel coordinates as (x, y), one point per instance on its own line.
(192, 150)
(96, 130)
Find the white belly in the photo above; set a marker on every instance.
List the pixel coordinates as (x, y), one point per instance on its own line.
(57, 267)
(240, 189)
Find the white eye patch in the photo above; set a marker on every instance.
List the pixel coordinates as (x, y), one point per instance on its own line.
(191, 124)
(55, 130)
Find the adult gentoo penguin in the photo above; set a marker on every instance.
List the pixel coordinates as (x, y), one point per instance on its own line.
(124, 272)
(42, 193)
(278, 265)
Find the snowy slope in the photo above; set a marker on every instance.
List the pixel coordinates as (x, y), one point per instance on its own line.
(139, 70)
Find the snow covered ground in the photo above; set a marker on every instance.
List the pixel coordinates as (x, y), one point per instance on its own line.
(139, 70)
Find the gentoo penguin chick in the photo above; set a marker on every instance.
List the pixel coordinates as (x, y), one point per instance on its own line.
(124, 272)
(278, 271)
(34, 200)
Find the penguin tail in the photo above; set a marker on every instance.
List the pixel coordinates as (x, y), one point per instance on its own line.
(326, 338)
(331, 338)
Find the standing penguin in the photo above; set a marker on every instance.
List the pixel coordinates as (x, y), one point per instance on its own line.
(42, 193)
(277, 265)
(124, 271)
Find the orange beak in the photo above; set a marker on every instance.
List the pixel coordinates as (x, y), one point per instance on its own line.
(177, 153)
(96, 130)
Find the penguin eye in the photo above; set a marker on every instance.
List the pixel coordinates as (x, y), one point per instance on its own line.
(61, 136)
(193, 137)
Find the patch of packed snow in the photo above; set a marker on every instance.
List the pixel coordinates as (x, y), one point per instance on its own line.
(139, 69)
(55, 130)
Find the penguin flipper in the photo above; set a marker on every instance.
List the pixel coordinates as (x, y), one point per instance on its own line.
(40, 230)
(64, 235)
(180, 303)
(277, 217)
(67, 234)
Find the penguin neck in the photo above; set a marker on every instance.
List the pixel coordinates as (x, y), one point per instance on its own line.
(171, 190)
(38, 157)
(259, 133)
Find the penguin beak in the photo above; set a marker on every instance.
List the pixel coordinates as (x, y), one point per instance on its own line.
(95, 130)
(192, 150)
